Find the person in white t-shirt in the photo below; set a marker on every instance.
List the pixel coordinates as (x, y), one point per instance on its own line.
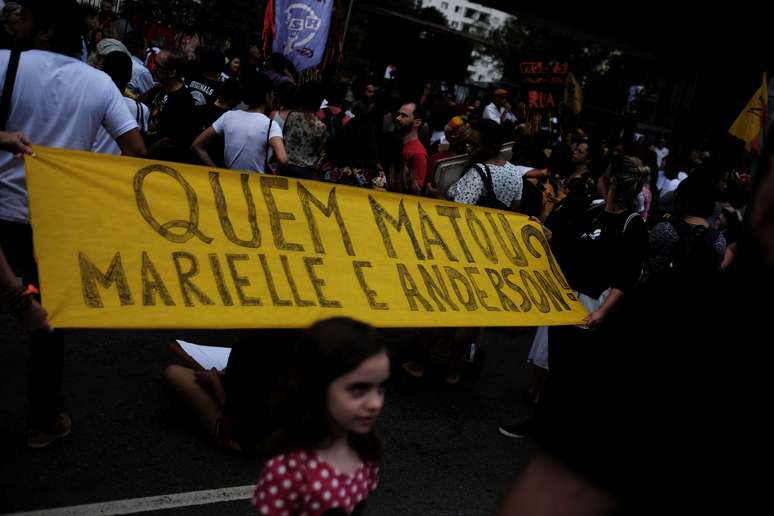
(248, 135)
(497, 110)
(119, 67)
(57, 101)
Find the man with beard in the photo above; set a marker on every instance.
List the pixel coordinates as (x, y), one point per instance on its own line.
(407, 123)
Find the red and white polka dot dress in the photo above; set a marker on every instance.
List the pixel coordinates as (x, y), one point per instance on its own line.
(301, 484)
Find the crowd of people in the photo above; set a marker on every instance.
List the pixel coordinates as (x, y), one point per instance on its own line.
(647, 240)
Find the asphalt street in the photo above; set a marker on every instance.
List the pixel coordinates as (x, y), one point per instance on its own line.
(131, 439)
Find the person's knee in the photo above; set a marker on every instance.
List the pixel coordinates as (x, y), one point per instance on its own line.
(176, 375)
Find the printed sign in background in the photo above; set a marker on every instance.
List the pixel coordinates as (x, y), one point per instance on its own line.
(130, 243)
(302, 30)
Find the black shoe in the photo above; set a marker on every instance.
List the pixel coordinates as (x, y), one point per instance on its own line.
(518, 431)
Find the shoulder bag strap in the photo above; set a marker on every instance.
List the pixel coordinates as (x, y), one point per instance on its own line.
(268, 135)
(10, 80)
(486, 178)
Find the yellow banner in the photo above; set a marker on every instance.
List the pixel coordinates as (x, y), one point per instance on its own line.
(130, 243)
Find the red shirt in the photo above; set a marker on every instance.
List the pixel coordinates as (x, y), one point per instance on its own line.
(415, 157)
(301, 483)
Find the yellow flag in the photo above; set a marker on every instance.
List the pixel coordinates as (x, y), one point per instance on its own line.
(573, 94)
(751, 120)
(131, 243)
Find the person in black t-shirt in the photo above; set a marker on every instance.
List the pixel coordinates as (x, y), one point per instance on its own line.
(607, 246)
(171, 120)
(670, 418)
(204, 86)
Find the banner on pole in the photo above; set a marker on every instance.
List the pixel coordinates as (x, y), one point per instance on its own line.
(302, 30)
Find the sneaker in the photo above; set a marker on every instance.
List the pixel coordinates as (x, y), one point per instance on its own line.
(519, 430)
(41, 438)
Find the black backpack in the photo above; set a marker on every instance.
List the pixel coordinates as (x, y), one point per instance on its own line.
(488, 199)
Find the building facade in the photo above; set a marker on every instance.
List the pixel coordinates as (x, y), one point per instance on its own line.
(475, 19)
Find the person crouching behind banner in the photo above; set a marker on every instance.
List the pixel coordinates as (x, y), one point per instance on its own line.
(248, 135)
(327, 451)
(234, 406)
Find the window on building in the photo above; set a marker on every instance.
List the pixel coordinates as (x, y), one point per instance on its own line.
(457, 8)
(445, 6)
(480, 77)
(470, 13)
(483, 17)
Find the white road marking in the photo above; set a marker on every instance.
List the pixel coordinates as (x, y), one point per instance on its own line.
(151, 503)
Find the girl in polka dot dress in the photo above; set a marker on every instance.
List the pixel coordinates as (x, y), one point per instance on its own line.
(329, 452)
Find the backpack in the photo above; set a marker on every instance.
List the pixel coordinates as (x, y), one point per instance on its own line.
(488, 199)
(695, 249)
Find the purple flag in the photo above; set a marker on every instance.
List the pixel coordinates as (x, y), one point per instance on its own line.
(302, 30)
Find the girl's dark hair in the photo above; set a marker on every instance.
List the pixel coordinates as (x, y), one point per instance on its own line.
(628, 175)
(326, 351)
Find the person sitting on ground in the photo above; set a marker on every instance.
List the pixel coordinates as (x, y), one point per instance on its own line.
(234, 406)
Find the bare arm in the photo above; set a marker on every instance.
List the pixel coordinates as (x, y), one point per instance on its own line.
(536, 173)
(595, 318)
(278, 146)
(131, 144)
(34, 317)
(548, 488)
(199, 146)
